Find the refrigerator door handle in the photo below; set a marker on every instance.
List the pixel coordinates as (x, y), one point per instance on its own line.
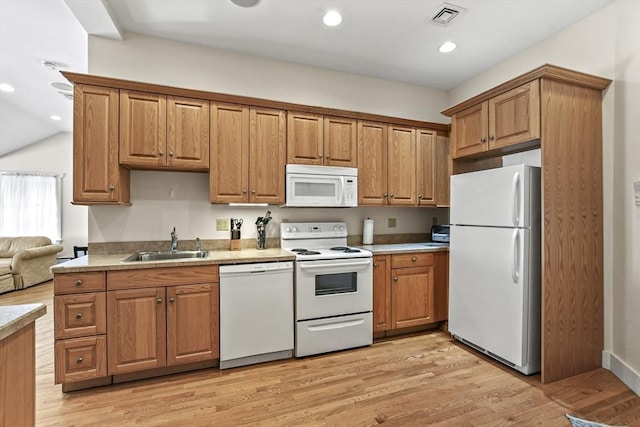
(515, 197)
(515, 262)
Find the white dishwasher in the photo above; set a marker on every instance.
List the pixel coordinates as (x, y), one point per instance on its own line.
(256, 313)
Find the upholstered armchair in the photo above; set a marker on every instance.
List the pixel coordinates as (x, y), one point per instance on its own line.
(29, 260)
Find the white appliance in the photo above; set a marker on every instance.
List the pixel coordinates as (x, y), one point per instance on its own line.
(256, 313)
(333, 288)
(321, 186)
(494, 278)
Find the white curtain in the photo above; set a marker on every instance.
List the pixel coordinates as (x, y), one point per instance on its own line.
(30, 204)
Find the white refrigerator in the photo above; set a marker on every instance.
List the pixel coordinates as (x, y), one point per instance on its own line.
(494, 277)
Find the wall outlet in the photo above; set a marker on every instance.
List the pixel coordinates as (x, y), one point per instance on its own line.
(391, 223)
(222, 224)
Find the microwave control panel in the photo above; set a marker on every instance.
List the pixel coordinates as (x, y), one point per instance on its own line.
(350, 189)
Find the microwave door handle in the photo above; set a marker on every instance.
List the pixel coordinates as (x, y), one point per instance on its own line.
(342, 191)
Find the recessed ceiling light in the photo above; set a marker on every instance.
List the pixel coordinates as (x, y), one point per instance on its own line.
(62, 86)
(6, 87)
(56, 118)
(50, 65)
(245, 3)
(447, 47)
(332, 18)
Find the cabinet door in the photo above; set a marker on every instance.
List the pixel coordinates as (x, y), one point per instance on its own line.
(187, 133)
(469, 130)
(372, 164)
(381, 293)
(97, 176)
(304, 138)
(229, 174)
(143, 133)
(340, 144)
(426, 167)
(514, 116)
(441, 286)
(443, 170)
(136, 330)
(412, 296)
(267, 155)
(192, 323)
(402, 166)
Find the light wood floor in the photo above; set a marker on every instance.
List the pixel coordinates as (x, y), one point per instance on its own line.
(413, 381)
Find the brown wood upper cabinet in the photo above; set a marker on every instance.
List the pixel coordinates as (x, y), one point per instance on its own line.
(163, 132)
(98, 179)
(314, 139)
(505, 120)
(248, 152)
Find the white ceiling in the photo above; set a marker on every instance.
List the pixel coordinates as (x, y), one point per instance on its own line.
(389, 39)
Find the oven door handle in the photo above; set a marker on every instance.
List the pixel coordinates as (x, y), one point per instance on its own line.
(342, 264)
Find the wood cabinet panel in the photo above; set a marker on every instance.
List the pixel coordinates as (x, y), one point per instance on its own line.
(381, 293)
(412, 296)
(165, 276)
(440, 286)
(192, 323)
(187, 133)
(136, 330)
(80, 359)
(143, 133)
(229, 164)
(372, 163)
(305, 140)
(417, 259)
(98, 179)
(470, 130)
(401, 171)
(426, 167)
(78, 315)
(71, 283)
(18, 378)
(267, 155)
(340, 142)
(514, 116)
(443, 170)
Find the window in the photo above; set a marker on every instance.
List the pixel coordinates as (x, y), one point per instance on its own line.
(30, 204)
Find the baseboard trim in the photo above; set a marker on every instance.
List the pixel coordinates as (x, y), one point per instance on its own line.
(621, 370)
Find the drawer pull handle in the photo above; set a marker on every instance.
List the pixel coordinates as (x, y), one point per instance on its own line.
(78, 282)
(78, 315)
(375, 264)
(172, 299)
(79, 359)
(395, 278)
(414, 259)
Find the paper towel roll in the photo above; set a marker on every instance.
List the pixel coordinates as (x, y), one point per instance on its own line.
(367, 232)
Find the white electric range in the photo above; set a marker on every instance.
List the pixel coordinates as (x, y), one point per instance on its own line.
(333, 288)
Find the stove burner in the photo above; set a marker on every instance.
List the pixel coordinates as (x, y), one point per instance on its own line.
(306, 252)
(298, 250)
(345, 249)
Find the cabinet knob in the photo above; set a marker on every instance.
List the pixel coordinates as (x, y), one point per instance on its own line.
(386, 194)
(319, 156)
(79, 359)
(244, 191)
(161, 153)
(375, 264)
(253, 191)
(491, 138)
(414, 259)
(172, 299)
(483, 139)
(328, 156)
(78, 282)
(159, 301)
(112, 187)
(392, 195)
(78, 315)
(395, 278)
(420, 196)
(171, 153)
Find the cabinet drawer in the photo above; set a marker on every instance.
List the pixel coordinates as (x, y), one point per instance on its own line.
(80, 315)
(411, 260)
(166, 276)
(72, 283)
(81, 359)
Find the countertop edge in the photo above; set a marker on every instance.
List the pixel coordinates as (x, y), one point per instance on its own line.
(405, 251)
(15, 317)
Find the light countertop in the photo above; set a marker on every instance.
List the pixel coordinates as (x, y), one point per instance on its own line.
(114, 262)
(15, 317)
(406, 247)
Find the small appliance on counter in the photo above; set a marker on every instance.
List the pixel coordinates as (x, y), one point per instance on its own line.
(440, 233)
(235, 244)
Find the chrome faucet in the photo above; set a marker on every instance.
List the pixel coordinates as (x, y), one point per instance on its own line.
(198, 244)
(174, 240)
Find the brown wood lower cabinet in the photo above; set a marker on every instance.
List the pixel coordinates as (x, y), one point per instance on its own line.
(409, 290)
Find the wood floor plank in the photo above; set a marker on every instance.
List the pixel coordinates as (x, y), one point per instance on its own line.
(419, 380)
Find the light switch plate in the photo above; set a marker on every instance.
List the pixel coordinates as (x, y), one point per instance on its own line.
(391, 222)
(222, 224)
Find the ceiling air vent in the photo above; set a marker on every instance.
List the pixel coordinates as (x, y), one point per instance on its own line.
(446, 13)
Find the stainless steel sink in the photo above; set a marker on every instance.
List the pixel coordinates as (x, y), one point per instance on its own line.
(165, 255)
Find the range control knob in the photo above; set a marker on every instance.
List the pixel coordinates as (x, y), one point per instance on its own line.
(335, 228)
(288, 229)
(341, 228)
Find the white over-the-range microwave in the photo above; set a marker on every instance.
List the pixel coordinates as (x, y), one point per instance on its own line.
(321, 186)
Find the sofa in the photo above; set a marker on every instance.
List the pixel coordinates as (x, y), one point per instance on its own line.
(26, 261)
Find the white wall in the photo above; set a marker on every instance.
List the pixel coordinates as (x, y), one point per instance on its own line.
(154, 213)
(606, 43)
(55, 154)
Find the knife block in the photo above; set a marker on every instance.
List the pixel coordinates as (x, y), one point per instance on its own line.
(235, 245)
